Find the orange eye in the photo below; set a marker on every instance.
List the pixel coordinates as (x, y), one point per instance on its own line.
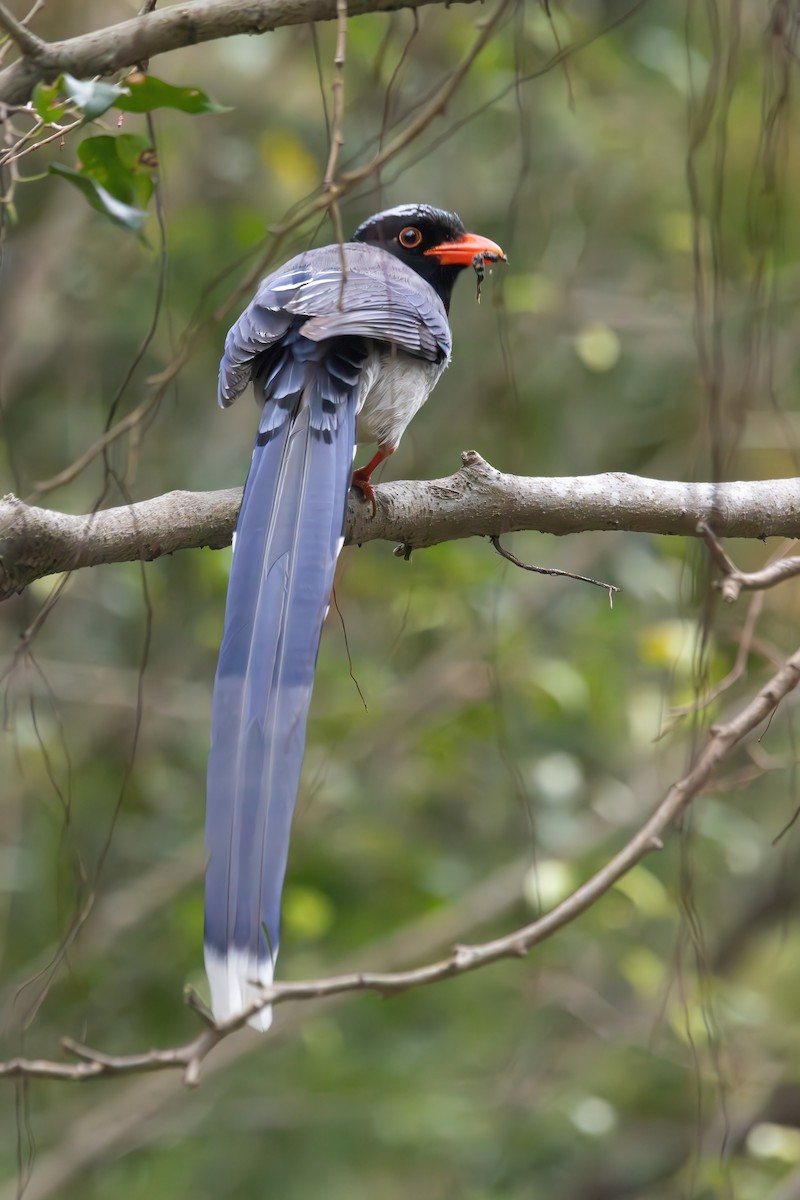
(409, 237)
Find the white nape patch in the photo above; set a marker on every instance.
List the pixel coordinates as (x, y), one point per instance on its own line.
(234, 982)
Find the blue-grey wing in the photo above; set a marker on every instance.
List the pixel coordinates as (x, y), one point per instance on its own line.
(378, 297)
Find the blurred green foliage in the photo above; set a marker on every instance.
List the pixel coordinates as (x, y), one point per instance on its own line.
(509, 739)
(115, 173)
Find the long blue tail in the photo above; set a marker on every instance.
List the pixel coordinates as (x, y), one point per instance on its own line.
(288, 539)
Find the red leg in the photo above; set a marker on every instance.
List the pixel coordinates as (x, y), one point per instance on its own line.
(361, 477)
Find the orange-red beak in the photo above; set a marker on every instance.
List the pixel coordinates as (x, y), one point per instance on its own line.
(464, 250)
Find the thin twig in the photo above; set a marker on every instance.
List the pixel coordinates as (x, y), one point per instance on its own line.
(463, 959)
(20, 150)
(27, 42)
(737, 670)
(512, 558)
(337, 87)
(734, 581)
(95, 1063)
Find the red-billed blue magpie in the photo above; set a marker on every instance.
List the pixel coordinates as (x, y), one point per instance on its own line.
(343, 345)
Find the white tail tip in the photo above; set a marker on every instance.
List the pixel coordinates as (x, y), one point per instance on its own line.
(234, 981)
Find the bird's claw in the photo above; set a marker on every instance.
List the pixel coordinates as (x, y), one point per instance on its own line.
(361, 483)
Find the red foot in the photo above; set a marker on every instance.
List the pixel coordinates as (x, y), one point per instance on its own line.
(361, 477)
(361, 483)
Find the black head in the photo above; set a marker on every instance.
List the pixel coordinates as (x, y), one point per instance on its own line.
(433, 242)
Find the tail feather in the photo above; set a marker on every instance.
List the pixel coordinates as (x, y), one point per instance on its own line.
(288, 539)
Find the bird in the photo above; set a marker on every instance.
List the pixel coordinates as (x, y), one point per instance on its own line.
(342, 345)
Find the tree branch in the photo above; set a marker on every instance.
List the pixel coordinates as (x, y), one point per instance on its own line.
(143, 37)
(27, 42)
(478, 501)
(734, 581)
(463, 959)
(146, 1102)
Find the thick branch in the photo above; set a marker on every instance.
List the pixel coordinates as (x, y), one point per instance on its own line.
(477, 501)
(189, 1057)
(36, 542)
(131, 42)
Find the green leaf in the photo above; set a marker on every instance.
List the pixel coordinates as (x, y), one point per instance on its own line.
(44, 101)
(122, 165)
(102, 200)
(135, 152)
(143, 93)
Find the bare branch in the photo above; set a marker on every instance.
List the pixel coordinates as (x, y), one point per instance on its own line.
(721, 741)
(337, 133)
(95, 1064)
(143, 37)
(36, 542)
(28, 43)
(463, 959)
(734, 581)
(144, 1102)
(29, 143)
(478, 501)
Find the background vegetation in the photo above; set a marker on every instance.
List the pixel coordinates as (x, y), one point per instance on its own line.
(644, 189)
